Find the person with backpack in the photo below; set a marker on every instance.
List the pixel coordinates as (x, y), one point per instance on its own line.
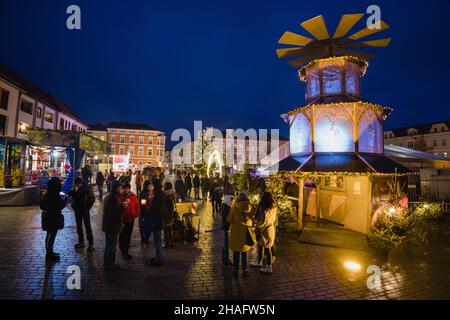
(169, 213)
(224, 211)
(83, 200)
(52, 219)
(130, 213)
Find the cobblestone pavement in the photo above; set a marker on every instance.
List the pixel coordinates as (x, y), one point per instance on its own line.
(194, 272)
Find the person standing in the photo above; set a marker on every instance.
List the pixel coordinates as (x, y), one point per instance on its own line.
(206, 185)
(130, 213)
(100, 181)
(110, 180)
(86, 174)
(217, 199)
(196, 183)
(224, 211)
(156, 220)
(83, 200)
(228, 188)
(52, 219)
(240, 219)
(113, 210)
(180, 188)
(139, 180)
(145, 199)
(169, 213)
(265, 219)
(188, 183)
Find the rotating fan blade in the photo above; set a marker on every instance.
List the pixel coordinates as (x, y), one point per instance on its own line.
(292, 52)
(294, 39)
(357, 54)
(367, 32)
(317, 27)
(348, 21)
(368, 44)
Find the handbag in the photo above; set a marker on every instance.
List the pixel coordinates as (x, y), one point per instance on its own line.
(250, 234)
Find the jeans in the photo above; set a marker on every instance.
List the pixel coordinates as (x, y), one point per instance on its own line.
(110, 249)
(125, 237)
(50, 241)
(243, 256)
(158, 246)
(267, 251)
(225, 250)
(85, 217)
(138, 189)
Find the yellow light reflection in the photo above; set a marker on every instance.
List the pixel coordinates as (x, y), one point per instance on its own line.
(352, 266)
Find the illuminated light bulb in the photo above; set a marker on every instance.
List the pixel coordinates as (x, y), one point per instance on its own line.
(353, 266)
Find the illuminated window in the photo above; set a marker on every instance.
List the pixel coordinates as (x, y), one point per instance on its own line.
(370, 130)
(332, 80)
(333, 131)
(48, 116)
(300, 134)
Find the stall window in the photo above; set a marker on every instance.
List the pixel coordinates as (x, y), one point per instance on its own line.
(4, 98)
(3, 125)
(26, 107)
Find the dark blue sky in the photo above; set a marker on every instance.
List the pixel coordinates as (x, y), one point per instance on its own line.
(167, 63)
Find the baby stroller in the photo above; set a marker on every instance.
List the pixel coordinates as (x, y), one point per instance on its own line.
(189, 222)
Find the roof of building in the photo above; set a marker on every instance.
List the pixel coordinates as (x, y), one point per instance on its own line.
(342, 163)
(406, 153)
(36, 92)
(421, 128)
(121, 125)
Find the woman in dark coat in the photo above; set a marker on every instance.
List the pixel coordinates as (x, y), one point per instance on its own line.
(145, 199)
(156, 219)
(52, 204)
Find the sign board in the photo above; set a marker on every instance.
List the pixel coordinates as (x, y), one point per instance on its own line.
(121, 163)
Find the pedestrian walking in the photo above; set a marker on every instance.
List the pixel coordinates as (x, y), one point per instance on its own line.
(156, 223)
(206, 185)
(224, 211)
(169, 213)
(145, 199)
(265, 220)
(52, 205)
(217, 199)
(83, 200)
(196, 184)
(113, 210)
(131, 212)
(100, 181)
(139, 180)
(188, 183)
(180, 188)
(240, 220)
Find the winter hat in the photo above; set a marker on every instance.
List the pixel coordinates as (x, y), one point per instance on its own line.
(242, 197)
(115, 184)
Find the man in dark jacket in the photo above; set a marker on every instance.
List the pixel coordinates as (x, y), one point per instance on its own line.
(180, 188)
(217, 199)
(224, 211)
(206, 185)
(196, 183)
(83, 200)
(156, 218)
(100, 181)
(113, 210)
(188, 184)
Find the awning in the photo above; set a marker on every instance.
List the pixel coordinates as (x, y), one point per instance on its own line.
(342, 163)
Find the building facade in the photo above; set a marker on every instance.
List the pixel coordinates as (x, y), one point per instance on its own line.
(145, 145)
(24, 106)
(433, 138)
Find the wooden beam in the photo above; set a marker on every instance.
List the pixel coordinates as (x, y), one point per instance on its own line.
(300, 205)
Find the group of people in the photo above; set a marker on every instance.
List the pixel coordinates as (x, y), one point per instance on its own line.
(154, 207)
(245, 227)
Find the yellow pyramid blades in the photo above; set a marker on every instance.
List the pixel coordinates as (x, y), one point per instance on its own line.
(293, 52)
(294, 39)
(348, 21)
(367, 32)
(317, 27)
(369, 44)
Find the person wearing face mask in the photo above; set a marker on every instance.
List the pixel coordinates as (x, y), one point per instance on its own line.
(130, 213)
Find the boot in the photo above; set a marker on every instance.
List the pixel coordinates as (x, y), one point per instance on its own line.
(267, 269)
